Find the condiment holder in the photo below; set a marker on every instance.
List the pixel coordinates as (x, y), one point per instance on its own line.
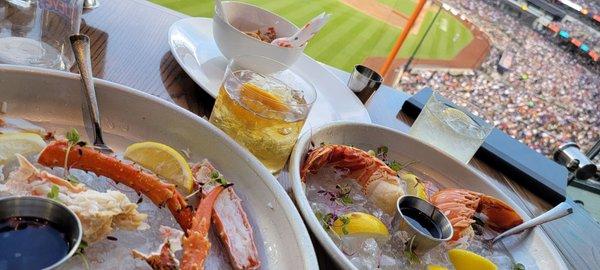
(426, 225)
(364, 82)
(49, 210)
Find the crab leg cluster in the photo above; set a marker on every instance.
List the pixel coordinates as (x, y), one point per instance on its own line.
(234, 230)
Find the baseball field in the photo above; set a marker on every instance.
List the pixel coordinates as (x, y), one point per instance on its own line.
(358, 29)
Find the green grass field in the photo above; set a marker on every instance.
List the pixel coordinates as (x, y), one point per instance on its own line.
(352, 36)
(404, 6)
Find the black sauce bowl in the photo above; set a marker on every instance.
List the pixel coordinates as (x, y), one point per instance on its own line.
(43, 208)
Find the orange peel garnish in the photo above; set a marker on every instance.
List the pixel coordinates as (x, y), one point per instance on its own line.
(251, 94)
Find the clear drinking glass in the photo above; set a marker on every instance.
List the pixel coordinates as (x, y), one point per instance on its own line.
(36, 32)
(449, 129)
(263, 112)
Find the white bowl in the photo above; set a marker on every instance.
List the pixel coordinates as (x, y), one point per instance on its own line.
(232, 41)
(533, 249)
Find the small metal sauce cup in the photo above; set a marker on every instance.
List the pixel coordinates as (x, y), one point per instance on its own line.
(38, 207)
(364, 81)
(421, 242)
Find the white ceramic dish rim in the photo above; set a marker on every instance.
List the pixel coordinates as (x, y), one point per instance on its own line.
(295, 220)
(314, 225)
(266, 11)
(352, 109)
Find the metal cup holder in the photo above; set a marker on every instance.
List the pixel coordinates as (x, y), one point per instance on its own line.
(570, 156)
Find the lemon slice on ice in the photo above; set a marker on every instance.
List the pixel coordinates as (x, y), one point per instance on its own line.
(414, 187)
(357, 223)
(164, 161)
(466, 260)
(436, 267)
(451, 113)
(19, 143)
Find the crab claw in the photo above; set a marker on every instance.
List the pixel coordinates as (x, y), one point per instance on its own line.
(28, 171)
(88, 159)
(196, 244)
(162, 260)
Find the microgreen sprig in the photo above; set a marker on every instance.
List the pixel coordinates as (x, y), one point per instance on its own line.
(328, 220)
(218, 178)
(382, 150)
(345, 221)
(73, 179)
(397, 166)
(73, 136)
(72, 139)
(382, 153)
(53, 194)
(410, 253)
(341, 196)
(81, 252)
(518, 266)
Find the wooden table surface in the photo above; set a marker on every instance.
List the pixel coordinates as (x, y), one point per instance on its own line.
(129, 46)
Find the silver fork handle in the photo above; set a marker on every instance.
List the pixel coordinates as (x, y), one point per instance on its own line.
(81, 50)
(561, 210)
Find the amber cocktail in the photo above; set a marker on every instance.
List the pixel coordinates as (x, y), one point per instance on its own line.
(263, 112)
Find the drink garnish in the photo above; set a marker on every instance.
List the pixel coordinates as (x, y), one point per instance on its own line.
(253, 96)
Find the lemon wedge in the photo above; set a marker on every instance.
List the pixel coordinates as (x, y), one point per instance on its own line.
(164, 161)
(452, 113)
(466, 260)
(19, 143)
(414, 187)
(358, 223)
(254, 96)
(435, 267)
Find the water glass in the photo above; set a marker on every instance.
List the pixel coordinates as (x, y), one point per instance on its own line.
(450, 129)
(36, 32)
(262, 111)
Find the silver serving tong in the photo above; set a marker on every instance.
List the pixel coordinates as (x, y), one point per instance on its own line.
(91, 114)
(561, 210)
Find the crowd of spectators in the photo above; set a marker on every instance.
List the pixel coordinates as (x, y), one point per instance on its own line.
(593, 6)
(582, 32)
(548, 97)
(578, 29)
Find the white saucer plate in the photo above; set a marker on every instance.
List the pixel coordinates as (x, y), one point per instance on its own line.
(193, 46)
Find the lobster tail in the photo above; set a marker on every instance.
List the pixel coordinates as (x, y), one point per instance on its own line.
(500, 216)
(378, 181)
(461, 205)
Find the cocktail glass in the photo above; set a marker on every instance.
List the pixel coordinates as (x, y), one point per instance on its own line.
(263, 112)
